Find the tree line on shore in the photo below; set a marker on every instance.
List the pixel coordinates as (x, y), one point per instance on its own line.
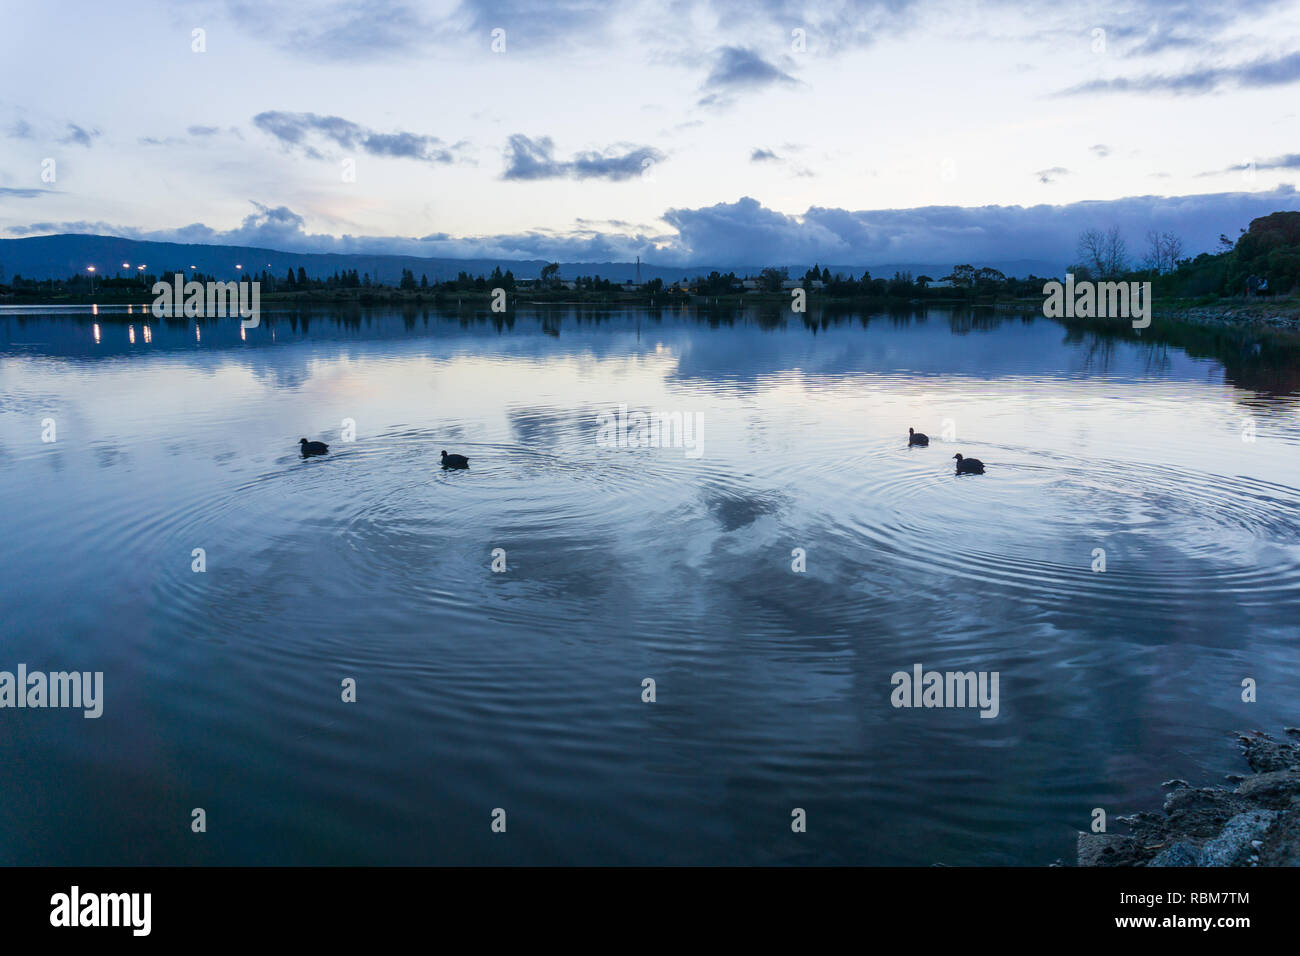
(1264, 259)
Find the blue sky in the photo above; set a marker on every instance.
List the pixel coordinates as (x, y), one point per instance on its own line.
(684, 131)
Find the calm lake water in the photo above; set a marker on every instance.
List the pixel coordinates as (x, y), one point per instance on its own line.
(523, 690)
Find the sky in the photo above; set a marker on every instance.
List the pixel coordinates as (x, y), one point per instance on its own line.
(683, 131)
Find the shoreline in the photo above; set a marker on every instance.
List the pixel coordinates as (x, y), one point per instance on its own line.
(1254, 823)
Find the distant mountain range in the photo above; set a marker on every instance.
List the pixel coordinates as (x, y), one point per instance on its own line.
(57, 257)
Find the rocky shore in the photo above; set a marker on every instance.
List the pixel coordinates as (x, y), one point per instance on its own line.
(1255, 822)
(1281, 315)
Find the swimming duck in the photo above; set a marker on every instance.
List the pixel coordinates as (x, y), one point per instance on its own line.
(312, 447)
(968, 466)
(454, 461)
(916, 438)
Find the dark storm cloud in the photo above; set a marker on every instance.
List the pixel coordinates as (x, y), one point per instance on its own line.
(529, 159)
(301, 130)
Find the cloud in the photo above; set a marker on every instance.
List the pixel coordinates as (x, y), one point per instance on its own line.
(195, 132)
(80, 137)
(1257, 74)
(1051, 175)
(349, 30)
(299, 130)
(745, 232)
(529, 159)
(748, 234)
(1289, 161)
(770, 158)
(736, 69)
(531, 24)
(737, 66)
(20, 129)
(14, 193)
(1101, 150)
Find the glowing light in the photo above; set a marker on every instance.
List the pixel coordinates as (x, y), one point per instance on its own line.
(197, 336)
(243, 333)
(130, 333)
(96, 330)
(148, 336)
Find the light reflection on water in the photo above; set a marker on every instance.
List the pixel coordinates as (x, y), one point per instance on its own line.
(522, 690)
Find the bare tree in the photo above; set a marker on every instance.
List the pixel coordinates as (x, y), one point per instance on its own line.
(1173, 249)
(1104, 253)
(1116, 253)
(1164, 249)
(1091, 246)
(1155, 254)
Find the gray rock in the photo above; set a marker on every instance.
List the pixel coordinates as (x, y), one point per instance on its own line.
(1180, 854)
(1105, 849)
(1229, 846)
(1266, 755)
(1282, 847)
(1200, 811)
(1276, 789)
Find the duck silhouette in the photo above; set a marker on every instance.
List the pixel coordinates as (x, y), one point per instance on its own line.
(454, 461)
(916, 438)
(968, 466)
(312, 447)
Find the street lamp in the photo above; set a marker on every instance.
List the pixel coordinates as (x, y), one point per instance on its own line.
(91, 270)
(140, 269)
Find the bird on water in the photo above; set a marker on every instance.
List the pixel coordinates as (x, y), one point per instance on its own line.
(454, 461)
(916, 438)
(968, 466)
(312, 447)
